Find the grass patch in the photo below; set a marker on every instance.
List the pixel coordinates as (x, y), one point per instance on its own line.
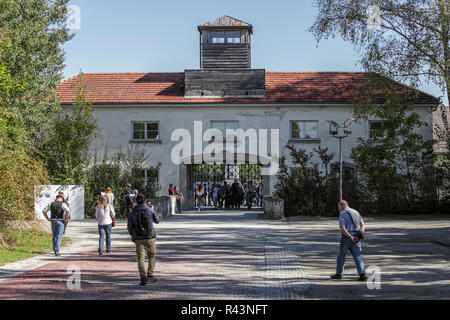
(26, 244)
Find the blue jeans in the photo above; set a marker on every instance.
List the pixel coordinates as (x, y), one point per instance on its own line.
(179, 206)
(104, 230)
(57, 231)
(355, 248)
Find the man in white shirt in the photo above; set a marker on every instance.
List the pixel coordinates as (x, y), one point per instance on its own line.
(59, 216)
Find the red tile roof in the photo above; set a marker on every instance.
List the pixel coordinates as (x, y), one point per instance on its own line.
(282, 87)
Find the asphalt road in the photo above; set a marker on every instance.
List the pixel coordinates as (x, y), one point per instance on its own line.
(238, 255)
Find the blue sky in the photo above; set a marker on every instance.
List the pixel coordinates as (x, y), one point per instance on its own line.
(161, 36)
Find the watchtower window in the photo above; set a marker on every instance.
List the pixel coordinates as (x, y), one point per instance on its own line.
(218, 37)
(233, 37)
(225, 37)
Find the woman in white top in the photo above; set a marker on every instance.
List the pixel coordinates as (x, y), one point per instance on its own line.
(105, 216)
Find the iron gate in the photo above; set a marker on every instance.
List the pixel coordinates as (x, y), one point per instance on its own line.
(220, 173)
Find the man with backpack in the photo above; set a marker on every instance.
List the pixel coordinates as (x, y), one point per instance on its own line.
(143, 234)
(352, 227)
(59, 215)
(130, 198)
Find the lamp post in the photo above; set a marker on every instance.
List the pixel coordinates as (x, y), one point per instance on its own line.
(334, 131)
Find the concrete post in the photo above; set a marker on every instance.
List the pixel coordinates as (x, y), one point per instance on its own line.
(273, 208)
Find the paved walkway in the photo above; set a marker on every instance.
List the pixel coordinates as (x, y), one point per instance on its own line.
(238, 255)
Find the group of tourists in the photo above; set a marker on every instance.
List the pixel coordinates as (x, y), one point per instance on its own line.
(228, 196)
(142, 217)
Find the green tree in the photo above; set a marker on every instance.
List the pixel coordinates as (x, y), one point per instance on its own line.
(406, 40)
(36, 30)
(67, 149)
(396, 165)
(19, 171)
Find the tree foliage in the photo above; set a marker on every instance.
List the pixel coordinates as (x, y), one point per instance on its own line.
(36, 31)
(67, 148)
(409, 41)
(306, 190)
(396, 166)
(19, 171)
(406, 40)
(442, 131)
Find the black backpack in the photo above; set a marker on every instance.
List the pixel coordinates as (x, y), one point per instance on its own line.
(56, 210)
(143, 230)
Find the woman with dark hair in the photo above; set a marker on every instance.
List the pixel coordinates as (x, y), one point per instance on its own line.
(143, 234)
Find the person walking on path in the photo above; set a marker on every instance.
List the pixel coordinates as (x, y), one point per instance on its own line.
(180, 199)
(351, 224)
(216, 196)
(249, 195)
(105, 216)
(259, 195)
(130, 199)
(200, 197)
(210, 194)
(110, 197)
(59, 214)
(143, 234)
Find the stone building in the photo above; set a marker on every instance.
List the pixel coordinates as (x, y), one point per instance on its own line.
(145, 109)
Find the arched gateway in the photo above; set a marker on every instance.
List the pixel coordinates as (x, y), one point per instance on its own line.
(244, 168)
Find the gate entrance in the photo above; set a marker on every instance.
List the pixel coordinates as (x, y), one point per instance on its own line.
(220, 173)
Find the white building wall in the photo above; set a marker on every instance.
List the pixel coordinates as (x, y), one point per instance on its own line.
(115, 128)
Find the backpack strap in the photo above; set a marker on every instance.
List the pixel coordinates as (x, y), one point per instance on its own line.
(353, 221)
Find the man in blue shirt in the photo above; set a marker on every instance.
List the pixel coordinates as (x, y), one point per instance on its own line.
(350, 222)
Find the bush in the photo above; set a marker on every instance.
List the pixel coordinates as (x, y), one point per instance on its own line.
(115, 172)
(20, 171)
(308, 190)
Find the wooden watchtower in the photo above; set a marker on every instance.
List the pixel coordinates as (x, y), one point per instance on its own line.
(225, 62)
(225, 43)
